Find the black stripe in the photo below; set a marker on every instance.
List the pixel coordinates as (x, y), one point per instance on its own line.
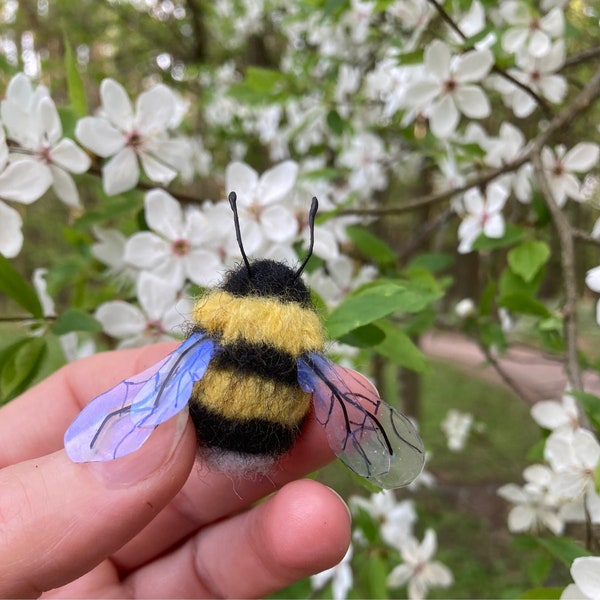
(262, 360)
(249, 436)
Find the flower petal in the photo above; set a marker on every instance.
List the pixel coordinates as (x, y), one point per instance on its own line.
(592, 279)
(156, 170)
(11, 236)
(121, 172)
(474, 65)
(164, 214)
(68, 155)
(116, 104)
(154, 109)
(202, 267)
(241, 179)
(276, 182)
(585, 571)
(24, 181)
(155, 294)
(437, 58)
(514, 39)
(120, 319)
(64, 187)
(539, 44)
(581, 157)
(49, 120)
(444, 117)
(472, 101)
(146, 250)
(278, 223)
(99, 136)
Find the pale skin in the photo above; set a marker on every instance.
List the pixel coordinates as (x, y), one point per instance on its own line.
(156, 523)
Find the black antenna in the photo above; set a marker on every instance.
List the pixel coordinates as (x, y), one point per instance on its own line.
(238, 234)
(314, 207)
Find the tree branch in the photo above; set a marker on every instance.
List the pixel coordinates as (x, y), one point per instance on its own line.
(567, 259)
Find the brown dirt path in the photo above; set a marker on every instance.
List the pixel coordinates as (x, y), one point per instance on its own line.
(537, 375)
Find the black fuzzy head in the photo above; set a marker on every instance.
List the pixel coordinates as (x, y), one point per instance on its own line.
(267, 278)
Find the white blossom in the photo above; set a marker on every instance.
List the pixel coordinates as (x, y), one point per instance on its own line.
(160, 316)
(340, 577)
(573, 456)
(395, 519)
(448, 88)
(176, 247)
(535, 507)
(418, 570)
(538, 75)
(36, 127)
(560, 166)
(23, 181)
(585, 571)
(592, 280)
(365, 156)
(554, 415)
(264, 216)
(530, 32)
(456, 426)
(482, 214)
(126, 136)
(465, 308)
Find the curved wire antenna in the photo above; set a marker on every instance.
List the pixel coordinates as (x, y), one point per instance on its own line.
(238, 235)
(314, 207)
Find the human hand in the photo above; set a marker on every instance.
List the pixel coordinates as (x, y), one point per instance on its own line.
(154, 523)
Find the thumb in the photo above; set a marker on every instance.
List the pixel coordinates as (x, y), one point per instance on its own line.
(60, 519)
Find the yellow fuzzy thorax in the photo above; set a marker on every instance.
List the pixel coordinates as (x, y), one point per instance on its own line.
(252, 397)
(286, 326)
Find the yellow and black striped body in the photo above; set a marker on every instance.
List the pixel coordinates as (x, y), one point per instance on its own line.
(249, 400)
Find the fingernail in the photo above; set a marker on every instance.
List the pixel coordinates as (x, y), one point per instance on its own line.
(141, 464)
(343, 502)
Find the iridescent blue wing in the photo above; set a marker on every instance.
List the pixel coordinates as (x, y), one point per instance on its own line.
(369, 436)
(120, 420)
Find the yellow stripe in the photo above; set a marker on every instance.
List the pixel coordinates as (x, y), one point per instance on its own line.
(243, 397)
(286, 326)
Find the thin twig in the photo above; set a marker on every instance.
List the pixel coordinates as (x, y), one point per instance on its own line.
(569, 275)
(508, 380)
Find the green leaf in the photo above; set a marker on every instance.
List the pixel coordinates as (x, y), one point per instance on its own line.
(15, 287)
(523, 303)
(371, 245)
(74, 82)
(511, 282)
(564, 549)
(538, 568)
(542, 593)
(377, 577)
(528, 258)
(335, 122)
(591, 406)
(366, 336)
(486, 301)
(400, 349)
(376, 301)
(21, 366)
(74, 319)
(432, 261)
(512, 235)
(491, 334)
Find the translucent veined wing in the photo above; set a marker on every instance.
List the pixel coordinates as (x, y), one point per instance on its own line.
(367, 435)
(120, 420)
